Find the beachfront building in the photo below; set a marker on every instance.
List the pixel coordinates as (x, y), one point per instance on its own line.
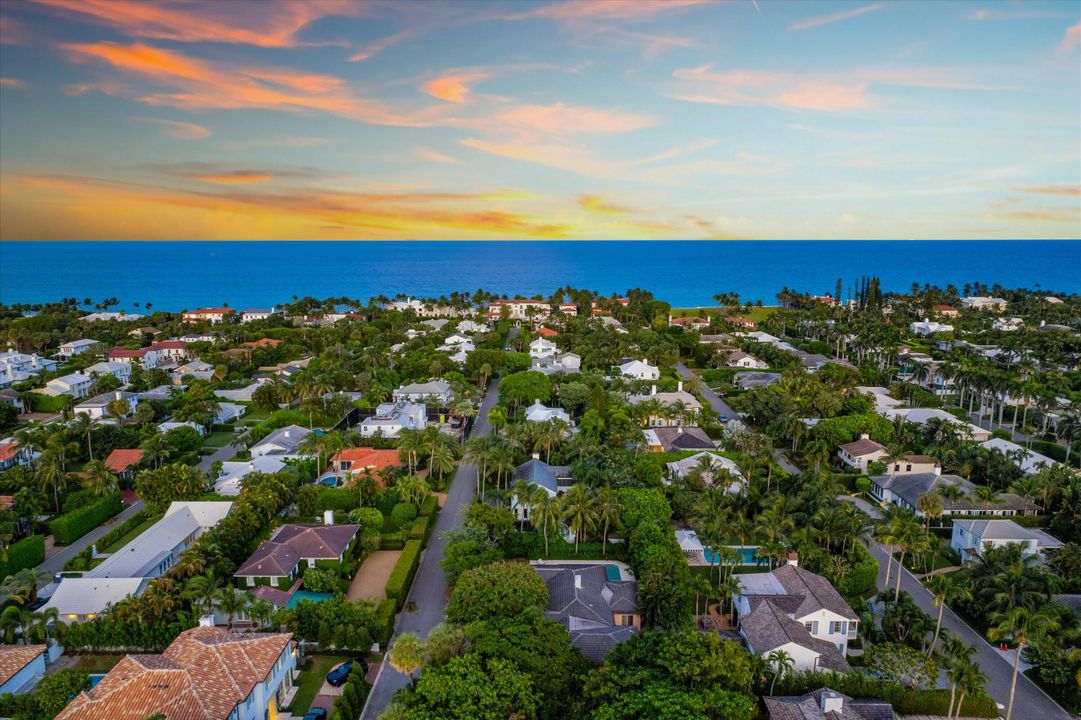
(76, 385)
(210, 315)
(18, 367)
(519, 309)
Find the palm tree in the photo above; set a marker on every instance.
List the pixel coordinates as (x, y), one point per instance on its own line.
(523, 498)
(83, 425)
(202, 590)
(408, 445)
(232, 602)
(781, 663)
(406, 655)
(314, 445)
(985, 494)
(155, 450)
(969, 680)
(261, 611)
(910, 538)
(442, 461)
(1022, 627)
(118, 408)
(607, 507)
(545, 510)
(98, 479)
(945, 589)
(51, 474)
(478, 450)
(578, 512)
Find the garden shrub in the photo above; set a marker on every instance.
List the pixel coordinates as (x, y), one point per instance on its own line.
(403, 514)
(391, 541)
(344, 498)
(401, 577)
(384, 621)
(320, 580)
(26, 553)
(429, 506)
(420, 530)
(69, 527)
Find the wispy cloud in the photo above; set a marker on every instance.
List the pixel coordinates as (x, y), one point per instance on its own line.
(1071, 39)
(267, 23)
(429, 155)
(371, 50)
(1070, 190)
(835, 17)
(455, 87)
(999, 14)
(12, 82)
(177, 129)
(787, 90)
(597, 204)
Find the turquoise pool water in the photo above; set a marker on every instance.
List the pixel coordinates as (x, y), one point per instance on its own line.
(747, 556)
(305, 595)
(95, 678)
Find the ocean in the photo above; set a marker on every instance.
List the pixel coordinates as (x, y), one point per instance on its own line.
(183, 275)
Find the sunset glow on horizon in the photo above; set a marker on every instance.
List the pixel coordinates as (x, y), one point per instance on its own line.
(335, 120)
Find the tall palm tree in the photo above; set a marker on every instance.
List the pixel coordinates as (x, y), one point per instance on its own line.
(781, 663)
(945, 589)
(478, 451)
(406, 655)
(155, 450)
(50, 474)
(607, 507)
(545, 511)
(98, 479)
(911, 539)
(202, 590)
(578, 512)
(408, 445)
(1022, 627)
(969, 680)
(314, 445)
(523, 498)
(83, 425)
(232, 602)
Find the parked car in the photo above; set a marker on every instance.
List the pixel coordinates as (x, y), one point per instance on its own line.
(338, 676)
(316, 713)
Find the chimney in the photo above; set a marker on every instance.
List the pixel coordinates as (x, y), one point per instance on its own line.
(679, 430)
(652, 389)
(864, 436)
(536, 456)
(793, 559)
(207, 620)
(577, 581)
(938, 470)
(831, 702)
(328, 517)
(679, 386)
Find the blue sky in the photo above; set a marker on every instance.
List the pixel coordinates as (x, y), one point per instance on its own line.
(342, 120)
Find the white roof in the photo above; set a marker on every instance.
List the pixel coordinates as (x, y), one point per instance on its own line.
(635, 367)
(107, 367)
(78, 343)
(70, 380)
(995, 529)
(288, 438)
(760, 584)
(167, 426)
(882, 396)
(140, 556)
(920, 416)
(232, 473)
(1031, 463)
(542, 413)
(688, 541)
(91, 595)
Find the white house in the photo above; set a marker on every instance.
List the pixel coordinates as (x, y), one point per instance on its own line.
(639, 370)
(120, 370)
(539, 413)
(520, 309)
(1030, 462)
(195, 369)
(128, 570)
(76, 385)
(712, 467)
(923, 328)
(794, 610)
(542, 347)
(75, 347)
(680, 399)
(230, 482)
(740, 359)
(910, 479)
(17, 367)
(862, 452)
(167, 426)
(283, 443)
(537, 473)
(433, 391)
(921, 416)
(979, 302)
(972, 537)
(253, 314)
(1007, 324)
(147, 357)
(21, 666)
(206, 672)
(229, 412)
(105, 316)
(567, 362)
(472, 326)
(211, 315)
(455, 339)
(97, 407)
(391, 418)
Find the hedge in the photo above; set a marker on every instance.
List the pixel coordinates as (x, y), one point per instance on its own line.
(344, 499)
(384, 621)
(106, 540)
(420, 530)
(351, 702)
(391, 541)
(864, 573)
(430, 506)
(71, 526)
(402, 576)
(26, 553)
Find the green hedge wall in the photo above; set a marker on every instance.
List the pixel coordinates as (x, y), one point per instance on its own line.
(430, 506)
(355, 693)
(864, 573)
(71, 526)
(402, 576)
(391, 541)
(421, 530)
(26, 553)
(384, 621)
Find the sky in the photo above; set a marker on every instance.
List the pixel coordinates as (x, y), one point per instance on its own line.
(609, 119)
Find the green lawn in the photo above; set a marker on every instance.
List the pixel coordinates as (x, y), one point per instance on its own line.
(218, 439)
(311, 680)
(96, 664)
(131, 535)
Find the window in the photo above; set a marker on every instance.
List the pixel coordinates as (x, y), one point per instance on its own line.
(812, 627)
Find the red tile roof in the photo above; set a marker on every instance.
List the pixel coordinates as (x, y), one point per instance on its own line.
(169, 345)
(202, 675)
(371, 458)
(8, 451)
(120, 460)
(264, 342)
(210, 311)
(14, 658)
(127, 353)
(547, 332)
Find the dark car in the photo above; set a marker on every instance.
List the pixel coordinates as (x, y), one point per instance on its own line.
(316, 713)
(340, 674)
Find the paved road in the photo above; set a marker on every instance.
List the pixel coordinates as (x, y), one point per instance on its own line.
(1031, 701)
(719, 406)
(787, 465)
(55, 563)
(223, 454)
(429, 590)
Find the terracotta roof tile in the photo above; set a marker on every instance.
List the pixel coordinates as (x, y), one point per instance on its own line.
(14, 658)
(120, 460)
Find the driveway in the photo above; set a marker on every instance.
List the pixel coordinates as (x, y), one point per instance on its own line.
(1031, 701)
(223, 453)
(370, 582)
(429, 591)
(55, 563)
(719, 406)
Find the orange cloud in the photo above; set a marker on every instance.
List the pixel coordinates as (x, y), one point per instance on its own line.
(564, 119)
(11, 82)
(266, 23)
(179, 130)
(430, 155)
(1071, 39)
(835, 17)
(379, 46)
(12, 32)
(197, 85)
(826, 96)
(238, 177)
(786, 90)
(608, 9)
(597, 204)
(1070, 190)
(1063, 215)
(454, 88)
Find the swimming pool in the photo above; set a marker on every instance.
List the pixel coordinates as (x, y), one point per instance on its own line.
(305, 595)
(95, 678)
(747, 556)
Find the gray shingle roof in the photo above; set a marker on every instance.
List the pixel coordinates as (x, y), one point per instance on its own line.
(538, 472)
(912, 486)
(809, 707)
(582, 599)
